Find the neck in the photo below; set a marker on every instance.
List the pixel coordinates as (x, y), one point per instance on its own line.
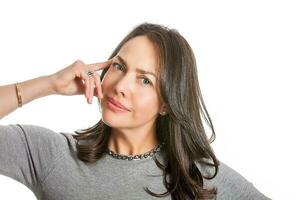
(132, 142)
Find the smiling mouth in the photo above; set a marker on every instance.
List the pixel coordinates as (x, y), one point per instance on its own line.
(114, 107)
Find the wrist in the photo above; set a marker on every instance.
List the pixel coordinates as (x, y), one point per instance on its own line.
(50, 79)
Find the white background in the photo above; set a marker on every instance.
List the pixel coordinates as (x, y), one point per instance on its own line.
(248, 56)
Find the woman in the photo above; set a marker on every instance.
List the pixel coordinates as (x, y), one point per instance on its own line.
(150, 142)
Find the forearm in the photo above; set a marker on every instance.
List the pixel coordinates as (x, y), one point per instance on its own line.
(30, 90)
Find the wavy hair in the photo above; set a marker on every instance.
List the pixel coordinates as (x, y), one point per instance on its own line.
(182, 130)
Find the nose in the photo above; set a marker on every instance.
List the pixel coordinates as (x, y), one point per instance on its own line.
(125, 85)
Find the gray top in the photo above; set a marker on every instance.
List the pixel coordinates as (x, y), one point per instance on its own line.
(45, 161)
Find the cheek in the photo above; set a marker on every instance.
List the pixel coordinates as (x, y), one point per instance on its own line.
(146, 103)
(106, 81)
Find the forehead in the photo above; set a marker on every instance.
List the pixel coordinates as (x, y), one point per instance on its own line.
(139, 52)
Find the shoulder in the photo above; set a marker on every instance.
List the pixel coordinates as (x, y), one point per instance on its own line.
(230, 183)
(37, 136)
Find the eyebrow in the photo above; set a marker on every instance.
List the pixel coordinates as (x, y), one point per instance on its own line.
(138, 70)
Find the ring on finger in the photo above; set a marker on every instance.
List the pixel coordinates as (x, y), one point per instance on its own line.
(90, 73)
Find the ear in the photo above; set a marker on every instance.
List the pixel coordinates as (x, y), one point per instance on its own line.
(163, 110)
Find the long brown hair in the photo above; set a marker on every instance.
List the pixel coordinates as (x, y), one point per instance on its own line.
(182, 130)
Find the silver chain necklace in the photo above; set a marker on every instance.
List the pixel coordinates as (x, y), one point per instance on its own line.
(149, 154)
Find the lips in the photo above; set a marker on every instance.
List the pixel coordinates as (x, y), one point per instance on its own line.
(116, 103)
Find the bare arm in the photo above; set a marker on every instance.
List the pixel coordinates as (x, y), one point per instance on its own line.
(30, 90)
(67, 81)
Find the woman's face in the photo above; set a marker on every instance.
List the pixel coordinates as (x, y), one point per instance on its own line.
(125, 82)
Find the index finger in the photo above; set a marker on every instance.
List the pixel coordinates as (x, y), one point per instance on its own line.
(101, 65)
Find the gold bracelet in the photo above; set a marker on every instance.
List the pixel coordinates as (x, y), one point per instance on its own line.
(19, 95)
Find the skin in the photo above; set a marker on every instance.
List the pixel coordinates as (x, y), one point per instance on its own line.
(133, 132)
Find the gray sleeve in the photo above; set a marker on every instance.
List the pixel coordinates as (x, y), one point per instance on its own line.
(28, 153)
(231, 185)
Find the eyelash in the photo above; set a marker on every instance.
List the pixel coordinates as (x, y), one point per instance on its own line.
(114, 64)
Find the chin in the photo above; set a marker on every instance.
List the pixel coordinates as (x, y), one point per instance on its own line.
(114, 122)
(113, 119)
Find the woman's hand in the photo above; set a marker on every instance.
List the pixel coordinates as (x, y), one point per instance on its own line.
(73, 80)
